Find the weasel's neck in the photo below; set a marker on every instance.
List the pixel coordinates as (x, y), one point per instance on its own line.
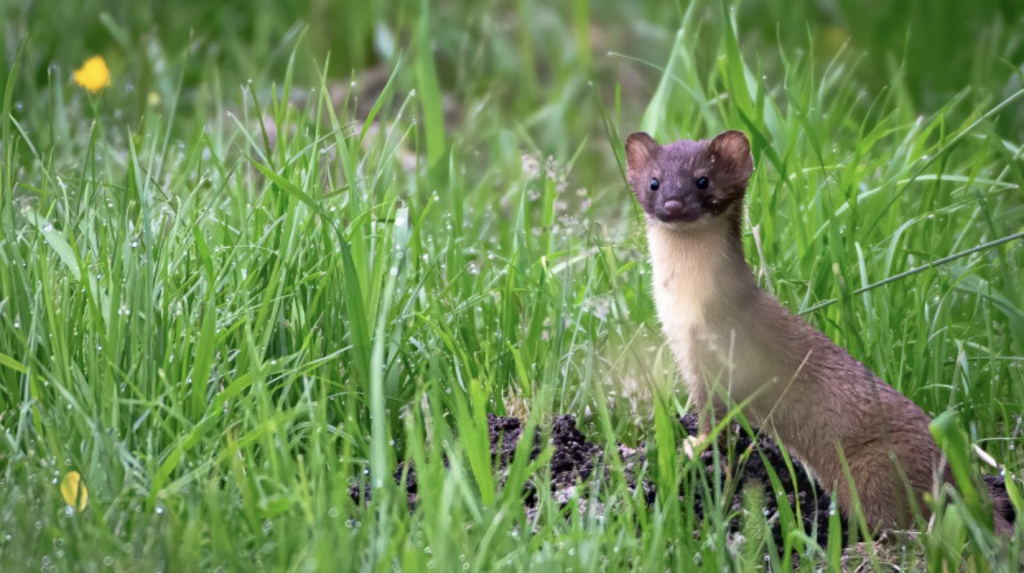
(699, 270)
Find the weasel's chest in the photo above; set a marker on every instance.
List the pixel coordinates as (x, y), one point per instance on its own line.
(703, 292)
(685, 323)
(713, 345)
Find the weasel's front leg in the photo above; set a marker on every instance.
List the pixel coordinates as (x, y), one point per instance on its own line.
(709, 413)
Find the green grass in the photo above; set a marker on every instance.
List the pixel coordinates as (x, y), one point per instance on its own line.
(223, 323)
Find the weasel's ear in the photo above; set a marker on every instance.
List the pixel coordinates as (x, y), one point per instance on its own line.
(641, 150)
(730, 154)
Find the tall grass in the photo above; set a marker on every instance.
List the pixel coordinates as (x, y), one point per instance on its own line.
(225, 309)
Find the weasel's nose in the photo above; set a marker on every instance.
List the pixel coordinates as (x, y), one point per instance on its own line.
(673, 208)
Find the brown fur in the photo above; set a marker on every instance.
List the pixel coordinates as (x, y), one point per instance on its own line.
(734, 342)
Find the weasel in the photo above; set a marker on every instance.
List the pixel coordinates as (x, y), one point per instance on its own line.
(735, 344)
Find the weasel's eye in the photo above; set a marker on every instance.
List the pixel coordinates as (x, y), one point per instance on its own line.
(655, 184)
(702, 183)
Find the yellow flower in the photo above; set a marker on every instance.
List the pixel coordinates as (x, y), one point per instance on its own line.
(73, 489)
(832, 39)
(93, 75)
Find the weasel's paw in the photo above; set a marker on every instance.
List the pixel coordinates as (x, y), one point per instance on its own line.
(692, 445)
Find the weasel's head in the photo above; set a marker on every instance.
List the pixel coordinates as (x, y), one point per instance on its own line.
(688, 182)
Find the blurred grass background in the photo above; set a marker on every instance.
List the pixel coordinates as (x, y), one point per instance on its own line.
(535, 76)
(940, 46)
(350, 296)
(932, 49)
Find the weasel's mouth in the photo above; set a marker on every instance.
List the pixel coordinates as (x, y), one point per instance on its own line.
(673, 211)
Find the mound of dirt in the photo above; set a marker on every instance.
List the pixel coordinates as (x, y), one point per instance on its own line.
(575, 460)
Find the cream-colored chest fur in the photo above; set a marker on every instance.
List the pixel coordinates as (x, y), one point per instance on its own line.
(705, 292)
